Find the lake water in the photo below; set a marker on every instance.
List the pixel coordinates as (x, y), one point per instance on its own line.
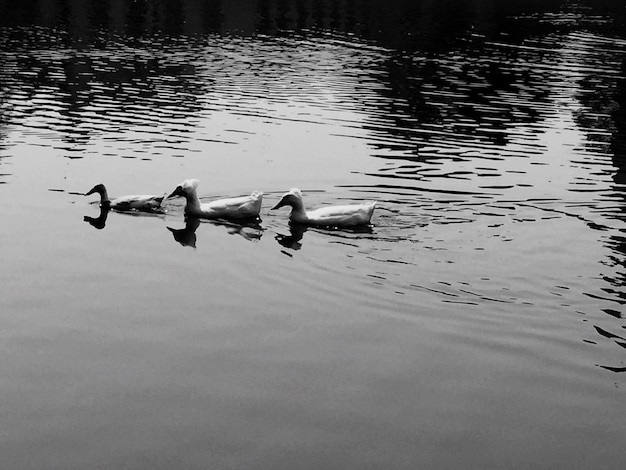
(479, 321)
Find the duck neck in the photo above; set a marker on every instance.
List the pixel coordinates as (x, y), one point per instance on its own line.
(104, 197)
(193, 203)
(298, 213)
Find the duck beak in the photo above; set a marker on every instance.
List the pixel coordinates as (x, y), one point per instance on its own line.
(177, 192)
(91, 191)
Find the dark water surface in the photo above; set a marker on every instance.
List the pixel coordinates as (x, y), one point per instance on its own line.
(478, 323)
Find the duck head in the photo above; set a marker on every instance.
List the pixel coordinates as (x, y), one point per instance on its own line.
(102, 191)
(99, 188)
(185, 189)
(291, 198)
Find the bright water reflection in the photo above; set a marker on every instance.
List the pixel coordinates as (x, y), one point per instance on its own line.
(478, 322)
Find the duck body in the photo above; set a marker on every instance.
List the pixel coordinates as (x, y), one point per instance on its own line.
(243, 207)
(348, 215)
(139, 202)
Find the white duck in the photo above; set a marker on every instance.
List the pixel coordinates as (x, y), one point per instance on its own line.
(349, 215)
(244, 207)
(143, 203)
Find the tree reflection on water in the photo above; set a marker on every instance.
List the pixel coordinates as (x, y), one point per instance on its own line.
(393, 23)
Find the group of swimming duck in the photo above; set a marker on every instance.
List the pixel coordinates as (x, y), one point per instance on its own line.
(241, 208)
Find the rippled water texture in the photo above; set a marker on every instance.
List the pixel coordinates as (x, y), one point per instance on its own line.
(477, 323)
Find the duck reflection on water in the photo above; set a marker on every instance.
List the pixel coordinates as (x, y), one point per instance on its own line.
(186, 236)
(251, 231)
(293, 241)
(100, 221)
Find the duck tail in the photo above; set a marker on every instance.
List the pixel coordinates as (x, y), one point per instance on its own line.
(372, 206)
